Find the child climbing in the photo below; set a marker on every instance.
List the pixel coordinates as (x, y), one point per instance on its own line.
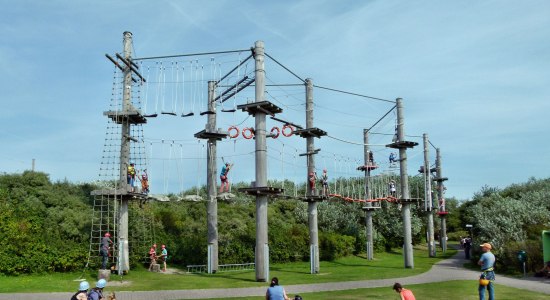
(324, 182)
(223, 176)
(144, 178)
(312, 179)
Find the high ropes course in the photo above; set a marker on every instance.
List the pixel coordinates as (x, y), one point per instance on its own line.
(217, 86)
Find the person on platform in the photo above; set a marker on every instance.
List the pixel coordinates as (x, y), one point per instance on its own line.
(131, 176)
(144, 178)
(392, 189)
(324, 182)
(312, 179)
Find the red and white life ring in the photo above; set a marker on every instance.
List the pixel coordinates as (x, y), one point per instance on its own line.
(289, 127)
(236, 134)
(275, 131)
(250, 134)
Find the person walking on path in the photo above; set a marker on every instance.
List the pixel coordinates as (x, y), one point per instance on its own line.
(487, 263)
(82, 293)
(403, 292)
(275, 291)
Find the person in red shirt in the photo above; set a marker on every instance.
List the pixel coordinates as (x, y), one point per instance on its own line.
(404, 293)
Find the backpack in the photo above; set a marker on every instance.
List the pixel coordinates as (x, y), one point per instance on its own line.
(78, 293)
(99, 295)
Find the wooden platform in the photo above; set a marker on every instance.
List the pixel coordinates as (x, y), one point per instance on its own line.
(310, 132)
(442, 213)
(402, 145)
(368, 167)
(370, 208)
(440, 179)
(131, 117)
(262, 190)
(210, 134)
(410, 200)
(123, 193)
(314, 198)
(265, 107)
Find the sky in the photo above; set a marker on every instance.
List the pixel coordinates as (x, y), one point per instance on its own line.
(473, 75)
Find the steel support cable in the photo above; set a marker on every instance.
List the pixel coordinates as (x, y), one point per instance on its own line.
(354, 94)
(354, 143)
(386, 114)
(190, 54)
(302, 80)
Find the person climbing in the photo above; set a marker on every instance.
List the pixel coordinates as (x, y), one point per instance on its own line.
(131, 176)
(312, 179)
(97, 292)
(144, 178)
(104, 250)
(324, 182)
(392, 189)
(153, 256)
(223, 176)
(403, 292)
(393, 158)
(82, 293)
(275, 291)
(163, 256)
(371, 157)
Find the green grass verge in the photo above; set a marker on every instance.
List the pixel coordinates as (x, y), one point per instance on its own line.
(459, 290)
(385, 265)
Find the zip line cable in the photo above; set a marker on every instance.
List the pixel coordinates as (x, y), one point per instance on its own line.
(302, 80)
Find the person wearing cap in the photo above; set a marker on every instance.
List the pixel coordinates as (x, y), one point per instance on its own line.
(97, 292)
(164, 256)
(82, 293)
(487, 263)
(104, 250)
(403, 292)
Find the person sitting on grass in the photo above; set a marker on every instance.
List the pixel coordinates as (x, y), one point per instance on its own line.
(403, 292)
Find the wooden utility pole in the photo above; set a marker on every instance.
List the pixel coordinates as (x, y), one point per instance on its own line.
(368, 208)
(212, 206)
(428, 197)
(405, 198)
(441, 199)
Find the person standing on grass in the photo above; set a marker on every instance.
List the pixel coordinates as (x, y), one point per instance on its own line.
(275, 291)
(164, 256)
(152, 256)
(403, 292)
(487, 263)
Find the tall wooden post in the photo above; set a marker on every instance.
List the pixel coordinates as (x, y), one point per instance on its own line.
(212, 206)
(428, 197)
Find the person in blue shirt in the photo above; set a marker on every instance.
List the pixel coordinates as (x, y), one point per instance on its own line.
(392, 158)
(275, 291)
(487, 263)
(223, 176)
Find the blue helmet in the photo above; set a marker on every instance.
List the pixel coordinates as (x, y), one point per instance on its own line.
(101, 283)
(84, 286)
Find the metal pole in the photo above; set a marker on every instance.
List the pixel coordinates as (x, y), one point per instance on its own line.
(441, 200)
(262, 256)
(368, 212)
(211, 169)
(125, 157)
(406, 210)
(311, 205)
(428, 197)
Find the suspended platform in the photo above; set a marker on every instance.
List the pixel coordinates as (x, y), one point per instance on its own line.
(310, 132)
(314, 198)
(262, 190)
(210, 133)
(409, 200)
(402, 145)
(440, 179)
(443, 213)
(130, 117)
(124, 194)
(368, 167)
(265, 107)
(370, 208)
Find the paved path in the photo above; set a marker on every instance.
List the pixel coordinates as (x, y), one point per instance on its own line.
(445, 270)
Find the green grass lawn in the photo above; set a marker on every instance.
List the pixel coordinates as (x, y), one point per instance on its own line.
(385, 265)
(456, 290)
